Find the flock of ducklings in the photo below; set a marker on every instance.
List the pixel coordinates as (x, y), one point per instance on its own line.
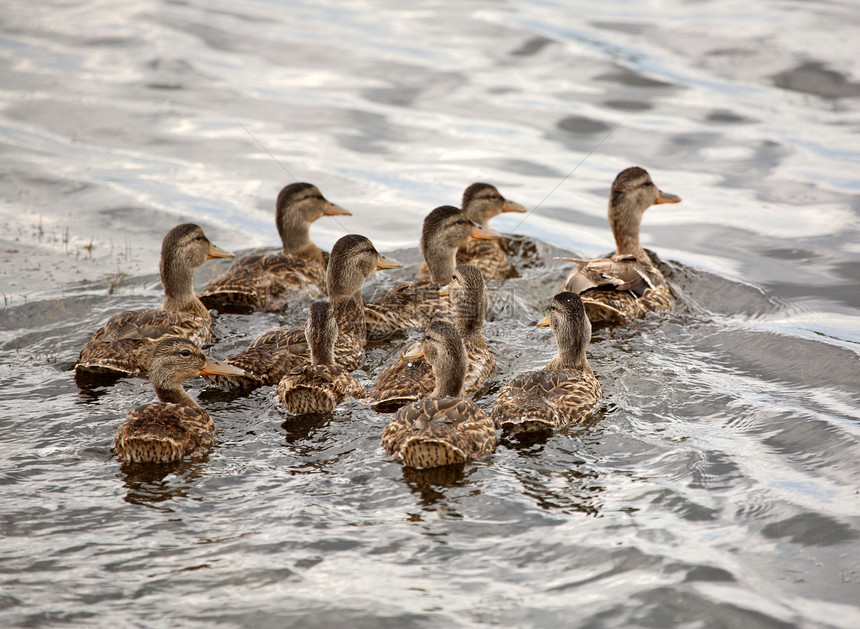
(428, 384)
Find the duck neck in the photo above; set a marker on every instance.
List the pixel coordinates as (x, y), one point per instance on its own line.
(173, 393)
(322, 353)
(625, 219)
(177, 280)
(349, 314)
(449, 375)
(441, 262)
(295, 234)
(570, 356)
(470, 321)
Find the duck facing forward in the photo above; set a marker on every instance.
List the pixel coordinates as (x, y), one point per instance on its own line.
(481, 202)
(564, 392)
(413, 305)
(411, 379)
(445, 428)
(269, 357)
(123, 346)
(626, 284)
(322, 385)
(257, 281)
(176, 426)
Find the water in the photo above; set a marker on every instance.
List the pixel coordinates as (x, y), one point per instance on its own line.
(718, 486)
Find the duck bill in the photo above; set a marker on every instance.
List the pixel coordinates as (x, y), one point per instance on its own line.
(666, 197)
(218, 252)
(217, 368)
(416, 350)
(445, 290)
(332, 209)
(484, 233)
(511, 206)
(385, 262)
(543, 323)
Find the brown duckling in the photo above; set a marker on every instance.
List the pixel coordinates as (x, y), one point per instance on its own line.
(353, 260)
(411, 379)
(259, 280)
(627, 284)
(320, 386)
(414, 304)
(168, 430)
(566, 390)
(445, 428)
(481, 202)
(123, 346)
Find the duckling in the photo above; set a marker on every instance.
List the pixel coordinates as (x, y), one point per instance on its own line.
(353, 260)
(481, 202)
(407, 380)
(123, 346)
(627, 284)
(259, 280)
(322, 385)
(167, 430)
(414, 304)
(445, 428)
(566, 390)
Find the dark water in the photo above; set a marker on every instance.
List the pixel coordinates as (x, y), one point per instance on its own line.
(718, 486)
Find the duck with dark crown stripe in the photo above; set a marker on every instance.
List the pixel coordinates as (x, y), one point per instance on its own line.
(626, 284)
(413, 305)
(445, 428)
(564, 392)
(481, 202)
(322, 385)
(353, 260)
(123, 346)
(258, 281)
(409, 379)
(175, 426)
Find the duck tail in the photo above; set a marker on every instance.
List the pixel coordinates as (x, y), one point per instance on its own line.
(301, 400)
(147, 449)
(421, 452)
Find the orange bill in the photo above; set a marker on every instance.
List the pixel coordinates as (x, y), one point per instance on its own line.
(665, 197)
(387, 263)
(511, 206)
(443, 292)
(332, 209)
(218, 252)
(416, 350)
(217, 368)
(543, 323)
(484, 233)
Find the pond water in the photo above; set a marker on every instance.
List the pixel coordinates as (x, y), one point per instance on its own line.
(716, 487)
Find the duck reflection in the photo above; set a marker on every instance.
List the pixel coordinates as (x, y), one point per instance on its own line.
(152, 484)
(430, 484)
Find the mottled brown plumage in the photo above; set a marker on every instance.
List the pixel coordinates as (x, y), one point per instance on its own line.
(322, 385)
(414, 304)
(445, 428)
(481, 202)
(627, 284)
(123, 346)
(259, 280)
(566, 390)
(168, 430)
(411, 379)
(269, 358)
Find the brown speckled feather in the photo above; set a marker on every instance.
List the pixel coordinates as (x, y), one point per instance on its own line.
(546, 399)
(257, 279)
(611, 306)
(406, 306)
(439, 431)
(163, 432)
(316, 389)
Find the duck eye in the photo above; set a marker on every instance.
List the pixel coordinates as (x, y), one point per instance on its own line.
(185, 352)
(454, 277)
(370, 250)
(200, 237)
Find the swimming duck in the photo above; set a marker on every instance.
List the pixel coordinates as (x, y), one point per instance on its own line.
(412, 379)
(259, 280)
(123, 346)
(627, 284)
(414, 304)
(566, 390)
(353, 260)
(445, 428)
(321, 385)
(176, 426)
(481, 202)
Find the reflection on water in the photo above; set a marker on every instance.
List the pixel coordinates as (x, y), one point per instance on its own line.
(715, 487)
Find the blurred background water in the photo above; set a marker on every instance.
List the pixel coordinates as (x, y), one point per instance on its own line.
(718, 486)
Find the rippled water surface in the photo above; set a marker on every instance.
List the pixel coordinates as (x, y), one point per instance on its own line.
(718, 485)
